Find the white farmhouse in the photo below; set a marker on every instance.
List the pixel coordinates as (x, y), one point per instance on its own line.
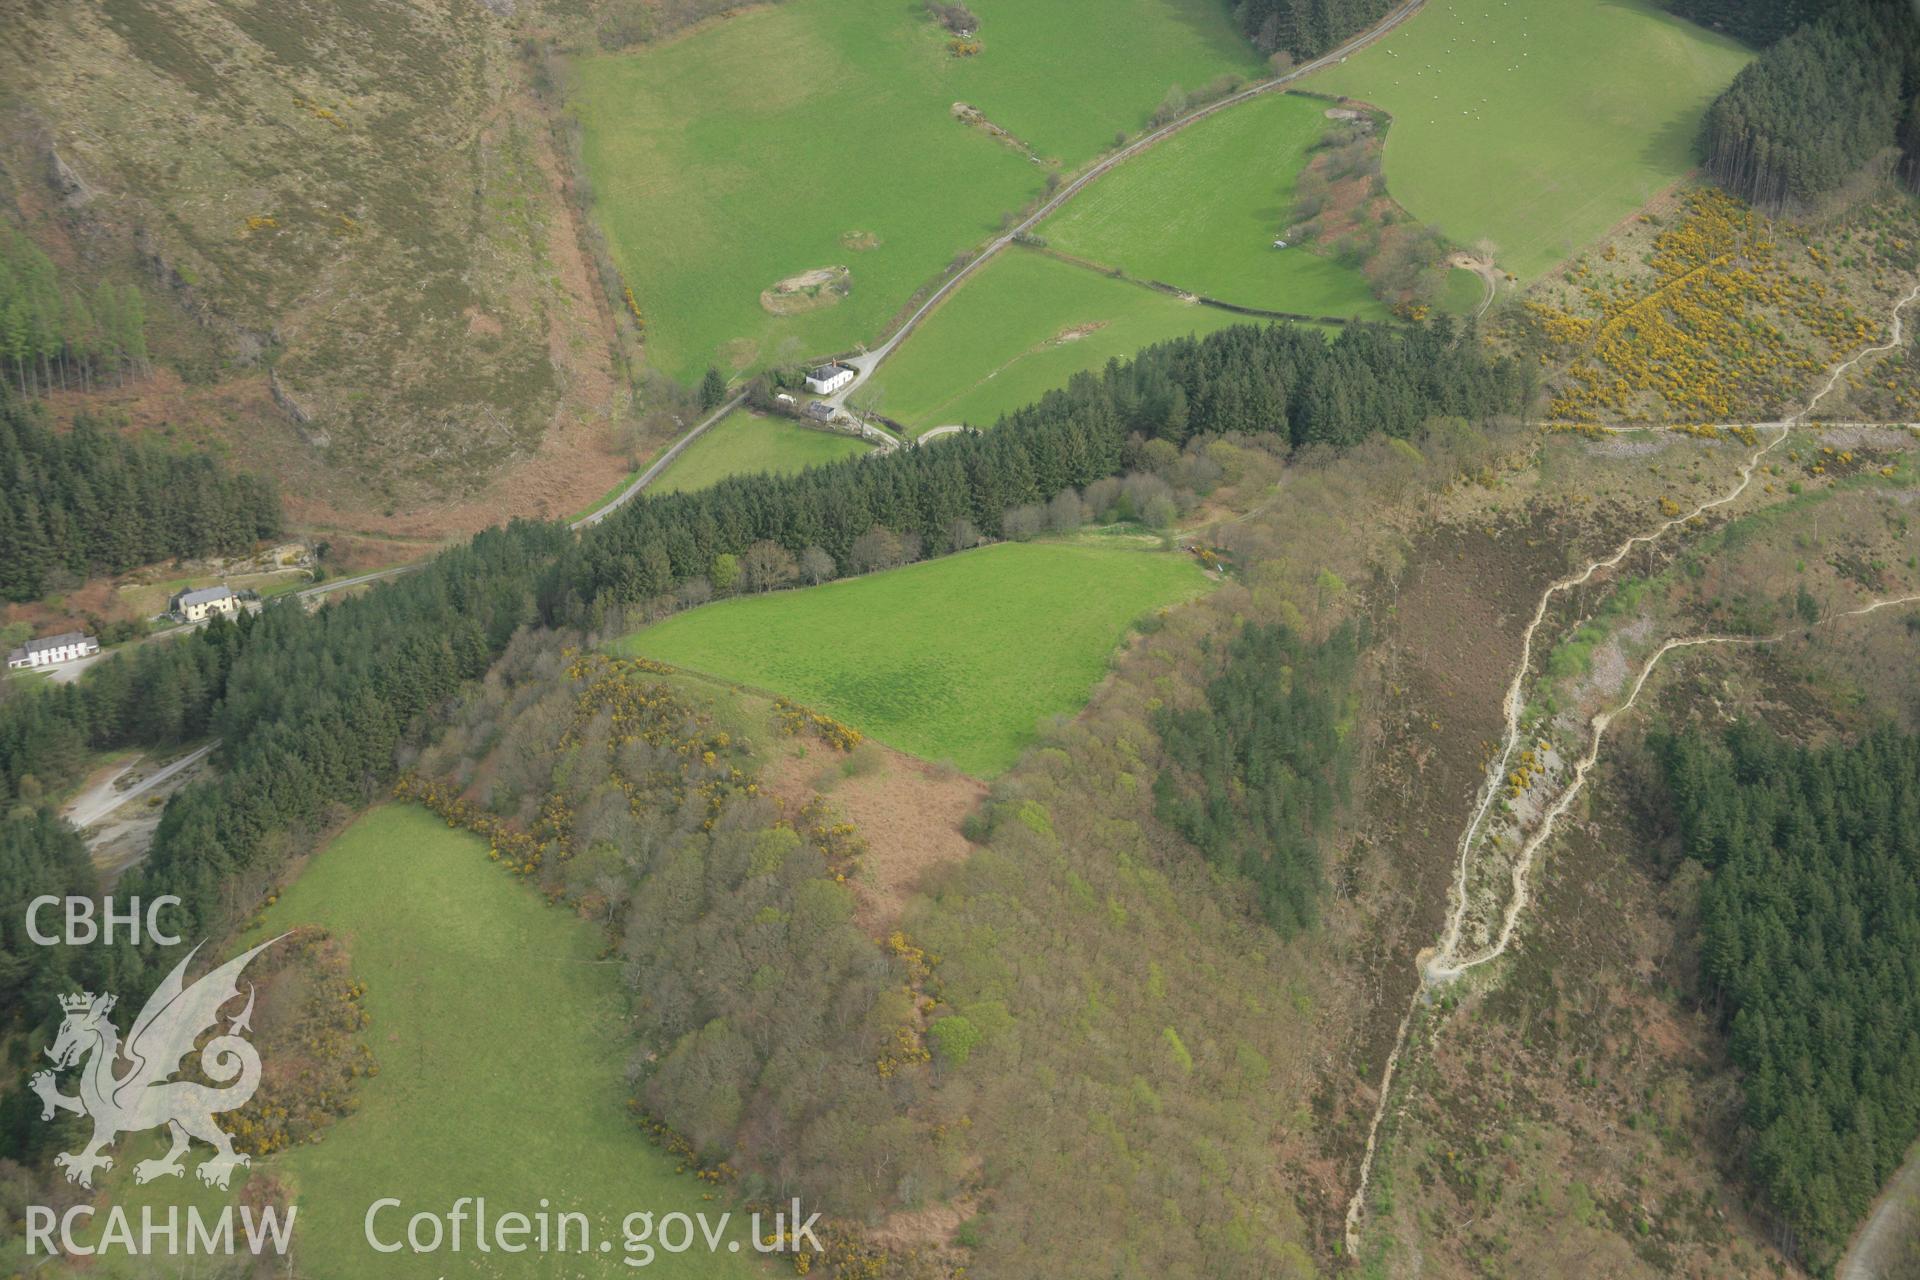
(192, 606)
(64, 647)
(829, 378)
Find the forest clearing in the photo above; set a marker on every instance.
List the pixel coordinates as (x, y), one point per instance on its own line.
(455, 958)
(937, 659)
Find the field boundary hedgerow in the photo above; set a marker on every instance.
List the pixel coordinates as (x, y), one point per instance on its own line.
(1071, 188)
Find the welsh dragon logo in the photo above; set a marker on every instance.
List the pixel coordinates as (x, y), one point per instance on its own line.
(143, 1096)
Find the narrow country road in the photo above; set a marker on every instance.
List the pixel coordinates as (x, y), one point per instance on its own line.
(593, 517)
(865, 363)
(659, 464)
(358, 580)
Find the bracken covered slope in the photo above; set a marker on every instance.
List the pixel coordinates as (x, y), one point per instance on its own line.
(354, 196)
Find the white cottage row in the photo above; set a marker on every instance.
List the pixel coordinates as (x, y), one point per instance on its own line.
(64, 647)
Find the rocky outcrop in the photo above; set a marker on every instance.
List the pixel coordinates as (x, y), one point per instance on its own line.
(73, 189)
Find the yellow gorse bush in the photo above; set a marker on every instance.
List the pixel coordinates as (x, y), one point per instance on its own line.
(796, 720)
(1723, 328)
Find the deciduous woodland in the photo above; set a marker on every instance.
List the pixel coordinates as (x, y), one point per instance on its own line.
(310, 709)
(316, 704)
(763, 1015)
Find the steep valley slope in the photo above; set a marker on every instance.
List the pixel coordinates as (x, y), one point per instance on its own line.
(364, 269)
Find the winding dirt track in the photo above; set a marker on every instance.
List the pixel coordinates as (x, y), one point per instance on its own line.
(99, 800)
(1895, 1215)
(1445, 962)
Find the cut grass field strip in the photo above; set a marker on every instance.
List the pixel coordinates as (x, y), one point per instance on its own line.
(744, 443)
(1202, 210)
(820, 133)
(956, 659)
(1020, 328)
(1538, 125)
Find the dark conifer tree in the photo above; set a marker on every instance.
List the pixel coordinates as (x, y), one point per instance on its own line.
(87, 501)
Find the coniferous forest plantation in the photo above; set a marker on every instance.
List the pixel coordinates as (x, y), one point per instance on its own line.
(884, 641)
(1827, 94)
(86, 502)
(1807, 937)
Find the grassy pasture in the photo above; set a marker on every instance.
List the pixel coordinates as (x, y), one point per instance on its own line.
(1464, 293)
(461, 962)
(1539, 124)
(1202, 209)
(1021, 327)
(952, 659)
(497, 1038)
(819, 133)
(745, 442)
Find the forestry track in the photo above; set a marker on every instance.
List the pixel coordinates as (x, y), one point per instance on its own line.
(1447, 961)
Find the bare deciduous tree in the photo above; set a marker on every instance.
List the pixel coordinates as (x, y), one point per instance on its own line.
(816, 566)
(767, 565)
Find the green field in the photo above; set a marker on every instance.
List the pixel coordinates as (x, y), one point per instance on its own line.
(952, 659)
(1537, 125)
(496, 1032)
(745, 442)
(1201, 211)
(462, 962)
(1464, 294)
(1021, 327)
(819, 133)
